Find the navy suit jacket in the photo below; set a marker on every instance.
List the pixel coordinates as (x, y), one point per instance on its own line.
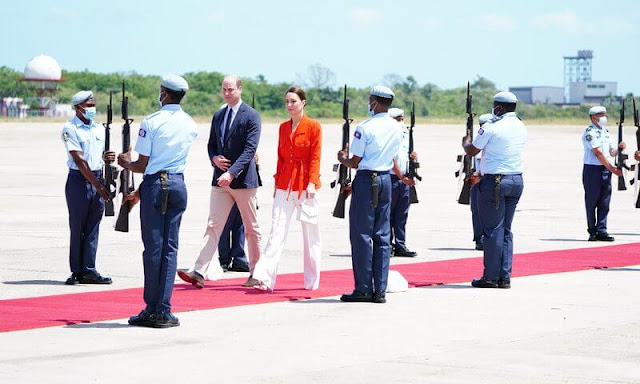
(240, 145)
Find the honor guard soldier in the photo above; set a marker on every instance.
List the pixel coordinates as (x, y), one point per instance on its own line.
(475, 218)
(502, 142)
(596, 173)
(84, 190)
(400, 184)
(163, 144)
(375, 143)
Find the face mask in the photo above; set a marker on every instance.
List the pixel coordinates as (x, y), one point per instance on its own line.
(160, 99)
(602, 121)
(370, 111)
(89, 113)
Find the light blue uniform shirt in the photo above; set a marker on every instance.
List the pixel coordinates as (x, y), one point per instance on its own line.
(88, 139)
(377, 141)
(595, 137)
(166, 137)
(402, 157)
(502, 142)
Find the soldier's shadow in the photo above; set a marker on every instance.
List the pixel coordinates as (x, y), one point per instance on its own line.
(34, 282)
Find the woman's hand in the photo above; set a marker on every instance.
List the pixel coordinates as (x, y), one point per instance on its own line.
(311, 191)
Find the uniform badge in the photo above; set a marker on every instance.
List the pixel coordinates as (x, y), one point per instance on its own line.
(480, 131)
(357, 135)
(65, 136)
(588, 138)
(142, 133)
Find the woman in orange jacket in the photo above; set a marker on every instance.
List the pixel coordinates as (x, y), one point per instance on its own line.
(296, 180)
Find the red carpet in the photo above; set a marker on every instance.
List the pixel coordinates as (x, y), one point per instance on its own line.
(47, 311)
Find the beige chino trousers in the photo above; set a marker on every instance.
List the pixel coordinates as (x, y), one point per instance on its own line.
(221, 202)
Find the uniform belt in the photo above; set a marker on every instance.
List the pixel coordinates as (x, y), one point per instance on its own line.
(367, 171)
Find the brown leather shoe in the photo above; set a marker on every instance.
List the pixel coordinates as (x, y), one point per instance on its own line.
(251, 282)
(194, 278)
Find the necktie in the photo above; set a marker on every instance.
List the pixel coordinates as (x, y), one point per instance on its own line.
(227, 124)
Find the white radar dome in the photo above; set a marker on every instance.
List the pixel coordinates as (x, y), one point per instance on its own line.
(43, 67)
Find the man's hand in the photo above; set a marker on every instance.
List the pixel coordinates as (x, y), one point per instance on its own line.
(623, 145)
(221, 162)
(475, 179)
(466, 140)
(104, 192)
(636, 155)
(133, 198)
(408, 181)
(414, 156)
(109, 156)
(225, 179)
(124, 159)
(347, 190)
(617, 172)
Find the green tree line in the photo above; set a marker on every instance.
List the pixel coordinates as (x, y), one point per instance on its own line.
(204, 98)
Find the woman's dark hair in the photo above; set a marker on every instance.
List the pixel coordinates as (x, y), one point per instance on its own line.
(298, 91)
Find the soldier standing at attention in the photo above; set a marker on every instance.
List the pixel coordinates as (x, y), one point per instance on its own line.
(596, 173)
(163, 144)
(400, 185)
(84, 190)
(502, 142)
(375, 143)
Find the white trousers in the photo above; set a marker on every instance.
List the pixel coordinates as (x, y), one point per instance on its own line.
(283, 210)
(222, 200)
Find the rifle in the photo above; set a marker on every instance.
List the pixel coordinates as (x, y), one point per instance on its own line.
(126, 179)
(621, 156)
(343, 172)
(109, 170)
(413, 165)
(467, 167)
(636, 166)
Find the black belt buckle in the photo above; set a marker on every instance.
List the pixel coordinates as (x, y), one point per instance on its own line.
(374, 185)
(164, 189)
(496, 190)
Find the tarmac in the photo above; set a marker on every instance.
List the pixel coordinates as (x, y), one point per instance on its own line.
(578, 327)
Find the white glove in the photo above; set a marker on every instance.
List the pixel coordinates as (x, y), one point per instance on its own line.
(311, 191)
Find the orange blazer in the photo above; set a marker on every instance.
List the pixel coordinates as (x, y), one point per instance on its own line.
(299, 155)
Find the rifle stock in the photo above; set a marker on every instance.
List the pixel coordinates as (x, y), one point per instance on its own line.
(343, 180)
(126, 179)
(109, 170)
(467, 168)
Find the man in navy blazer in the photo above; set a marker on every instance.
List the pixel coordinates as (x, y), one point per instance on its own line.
(233, 141)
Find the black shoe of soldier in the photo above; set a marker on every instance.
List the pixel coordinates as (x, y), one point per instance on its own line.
(94, 278)
(604, 236)
(484, 283)
(74, 279)
(166, 320)
(379, 297)
(225, 267)
(504, 283)
(144, 319)
(479, 247)
(239, 267)
(592, 238)
(404, 252)
(356, 297)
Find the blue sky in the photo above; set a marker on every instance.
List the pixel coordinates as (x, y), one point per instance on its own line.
(445, 42)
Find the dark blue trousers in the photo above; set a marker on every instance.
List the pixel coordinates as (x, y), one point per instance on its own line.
(475, 217)
(160, 238)
(596, 180)
(399, 211)
(231, 245)
(370, 232)
(85, 207)
(496, 223)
